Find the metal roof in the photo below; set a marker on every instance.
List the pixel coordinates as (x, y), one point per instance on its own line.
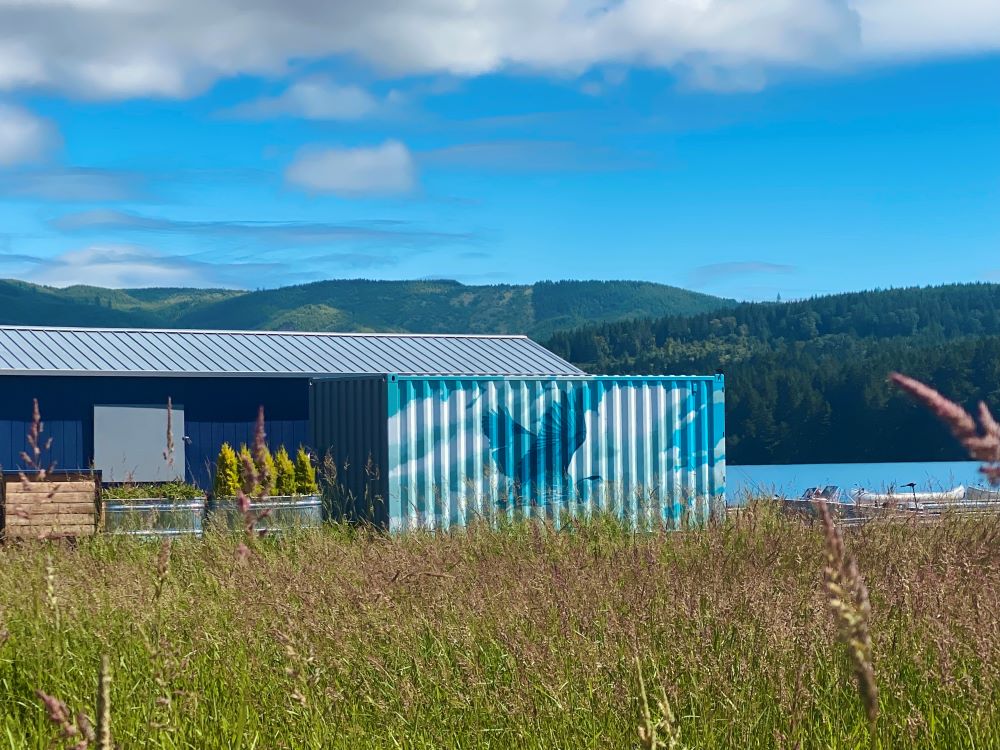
(33, 350)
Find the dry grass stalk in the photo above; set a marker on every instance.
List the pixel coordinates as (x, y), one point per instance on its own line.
(37, 446)
(662, 733)
(104, 704)
(51, 599)
(256, 473)
(168, 454)
(56, 712)
(981, 442)
(295, 669)
(242, 553)
(162, 568)
(77, 732)
(86, 729)
(260, 453)
(250, 519)
(248, 472)
(847, 597)
(59, 715)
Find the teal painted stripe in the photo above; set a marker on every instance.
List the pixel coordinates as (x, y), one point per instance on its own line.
(395, 455)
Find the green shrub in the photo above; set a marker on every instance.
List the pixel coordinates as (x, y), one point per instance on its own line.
(227, 472)
(305, 473)
(284, 473)
(248, 470)
(264, 463)
(176, 491)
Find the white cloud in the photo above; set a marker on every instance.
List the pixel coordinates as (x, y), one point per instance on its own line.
(117, 266)
(129, 266)
(313, 99)
(910, 28)
(24, 137)
(124, 48)
(379, 170)
(120, 266)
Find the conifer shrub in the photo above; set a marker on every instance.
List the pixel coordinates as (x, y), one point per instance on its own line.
(247, 469)
(227, 474)
(284, 473)
(305, 473)
(264, 464)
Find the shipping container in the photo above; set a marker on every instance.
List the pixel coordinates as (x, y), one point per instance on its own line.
(436, 452)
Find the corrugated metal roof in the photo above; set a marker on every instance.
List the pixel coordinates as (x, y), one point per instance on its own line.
(135, 351)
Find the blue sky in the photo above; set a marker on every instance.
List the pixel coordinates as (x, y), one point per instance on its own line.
(747, 149)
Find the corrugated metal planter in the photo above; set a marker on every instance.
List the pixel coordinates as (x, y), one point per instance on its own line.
(417, 452)
(280, 513)
(154, 516)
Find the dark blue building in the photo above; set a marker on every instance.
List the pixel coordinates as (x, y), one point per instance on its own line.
(102, 393)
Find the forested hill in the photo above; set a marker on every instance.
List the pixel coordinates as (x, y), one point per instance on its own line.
(357, 305)
(805, 381)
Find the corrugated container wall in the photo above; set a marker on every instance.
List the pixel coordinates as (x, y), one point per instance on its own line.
(446, 451)
(349, 418)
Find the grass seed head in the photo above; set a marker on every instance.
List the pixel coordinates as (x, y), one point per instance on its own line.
(661, 733)
(104, 704)
(162, 567)
(57, 713)
(168, 454)
(847, 598)
(262, 459)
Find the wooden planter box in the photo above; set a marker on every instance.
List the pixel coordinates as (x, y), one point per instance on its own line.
(154, 516)
(64, 505)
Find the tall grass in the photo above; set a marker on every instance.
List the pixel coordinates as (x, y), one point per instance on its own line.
(513, 636)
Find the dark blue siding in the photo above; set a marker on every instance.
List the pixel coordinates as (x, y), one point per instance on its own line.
(215, 409)
(65, 452)
(205, 439)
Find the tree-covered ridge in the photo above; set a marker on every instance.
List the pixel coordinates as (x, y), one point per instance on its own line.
(805, 381)
(22, 303)
(560, 305)
(356, 305)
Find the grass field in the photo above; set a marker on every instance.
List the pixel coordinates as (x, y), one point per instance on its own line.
(517, 637)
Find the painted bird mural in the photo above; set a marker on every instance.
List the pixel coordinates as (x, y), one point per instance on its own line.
(522, 454)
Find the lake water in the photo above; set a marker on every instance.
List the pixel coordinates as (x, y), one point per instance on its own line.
(790, 480)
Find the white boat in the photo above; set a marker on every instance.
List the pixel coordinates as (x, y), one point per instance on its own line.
(831, 493)
(983, 494)
(840, 502)
(860, 506)
(905, 498)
